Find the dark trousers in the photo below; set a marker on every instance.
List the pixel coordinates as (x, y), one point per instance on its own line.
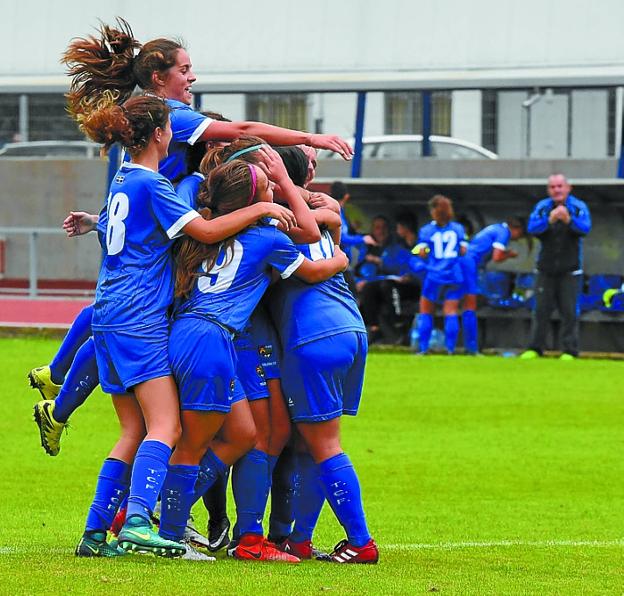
(561, 292)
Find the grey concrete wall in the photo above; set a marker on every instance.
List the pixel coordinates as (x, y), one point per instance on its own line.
(38, 193)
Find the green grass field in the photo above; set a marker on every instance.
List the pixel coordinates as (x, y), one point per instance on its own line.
(480, 476)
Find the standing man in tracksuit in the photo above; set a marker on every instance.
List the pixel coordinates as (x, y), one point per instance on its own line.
(560, 222)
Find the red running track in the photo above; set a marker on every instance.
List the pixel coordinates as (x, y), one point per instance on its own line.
(40, 312)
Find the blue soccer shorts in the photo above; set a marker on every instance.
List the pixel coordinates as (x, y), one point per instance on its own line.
(470, 273)
(323, 379)
(203, 361)
(437, 292)
(127, 357)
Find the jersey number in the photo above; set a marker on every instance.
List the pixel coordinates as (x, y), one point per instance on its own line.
(444, 244)
(222, 274)
(116, 229)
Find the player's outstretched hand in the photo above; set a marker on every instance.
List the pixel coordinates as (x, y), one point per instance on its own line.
(78, 223)
(272, 165)
(283, 215)
(320, 200)
(333, 143)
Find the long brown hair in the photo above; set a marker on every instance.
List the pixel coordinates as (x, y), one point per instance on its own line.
(441, 209)
(105, 70)
(131, 125)
(227, 189)
(218, 155)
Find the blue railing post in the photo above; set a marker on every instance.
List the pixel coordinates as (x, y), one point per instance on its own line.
(426, 123)
(356, 164)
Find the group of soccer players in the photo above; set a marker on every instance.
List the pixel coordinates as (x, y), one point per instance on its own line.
(452, 267)
(187, 374)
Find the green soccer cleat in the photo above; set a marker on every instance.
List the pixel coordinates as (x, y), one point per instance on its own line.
(93, 544)
(529, 355)
(138, 536)
(50, 430)
(565, 357)
(41, 378)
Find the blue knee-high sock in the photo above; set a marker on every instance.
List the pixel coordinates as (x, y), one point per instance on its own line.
(215, 498)
(451, 331)
(250, 487)
(81, 380)
(309, 500)
(148, 474)
(177, 498)
(424, 326)
(210, 468)
(78, 333)
(282, 494)
(342, 490)
(112, 486)
(471, 331)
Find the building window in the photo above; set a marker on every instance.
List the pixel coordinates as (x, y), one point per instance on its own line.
(489, 120)
(289, 110)
(48, 119)
(9, 118)
(403, 112)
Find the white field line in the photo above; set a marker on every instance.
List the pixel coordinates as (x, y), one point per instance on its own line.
(503, 543)
(10, 550)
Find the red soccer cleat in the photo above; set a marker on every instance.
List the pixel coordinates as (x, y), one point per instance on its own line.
(118, 522)
(347, 553)
(253, 547)
(302, 550)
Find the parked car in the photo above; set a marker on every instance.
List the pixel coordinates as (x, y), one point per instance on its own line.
(52, 149)
(408, 147)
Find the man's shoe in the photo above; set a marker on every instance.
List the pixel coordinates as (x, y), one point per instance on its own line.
(218, 534)
(50, 430)
(192, 554)
(565, 357)
(302, 550)
(41, 379)
(253, 547)
(529, 355)
(347, 553)
(93, 544)
(138, 536)
(191, 535)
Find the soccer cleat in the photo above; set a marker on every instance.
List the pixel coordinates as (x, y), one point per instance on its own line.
(302, 550)
(218, 534)
(231, 548)
(118, 521)
(191, 535)
(347, 553)
(41, 379)
(529, 355)
(253, 547)
(138, 536)
(50, 430)
(565, 357)
(192, 554)
(93, 544)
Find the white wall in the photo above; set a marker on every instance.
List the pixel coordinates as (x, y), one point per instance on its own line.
(329, 36)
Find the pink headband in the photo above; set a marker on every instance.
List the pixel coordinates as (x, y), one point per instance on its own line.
(252, 172)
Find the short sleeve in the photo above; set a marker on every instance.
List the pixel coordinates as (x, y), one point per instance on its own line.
(187, 124)
(169, 209)
(501, 239)
(284, 256)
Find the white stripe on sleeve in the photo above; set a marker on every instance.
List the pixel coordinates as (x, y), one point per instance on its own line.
(175, 229)
(292, 267)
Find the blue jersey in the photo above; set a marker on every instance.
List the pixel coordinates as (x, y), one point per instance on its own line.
(305, 312)
(144, 214)
(187, 126)
(231, 290)
(482, 244)
(189, 187)
(444, 244)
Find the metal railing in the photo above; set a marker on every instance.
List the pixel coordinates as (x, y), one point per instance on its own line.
(33, 234)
